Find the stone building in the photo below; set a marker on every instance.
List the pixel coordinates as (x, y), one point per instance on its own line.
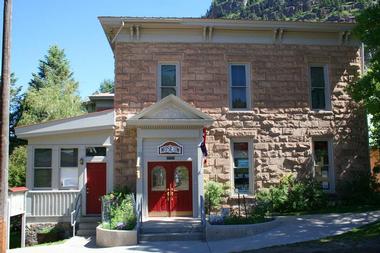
(268, 98)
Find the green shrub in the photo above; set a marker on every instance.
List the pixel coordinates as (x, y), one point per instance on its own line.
(360, 189)
(118, 211)
(291, 195)
(214, 192)
(237, 220)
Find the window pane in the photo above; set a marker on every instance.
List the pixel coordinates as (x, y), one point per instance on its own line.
(317, 75)
(158, 179)
(318, 98)
(168, 75)
(96, 151)
(181, 178)
(69, 157)
(69, 177)
(239, 98)
(42, 178)
(238, 77)
(167, 91)
(321, 157)
(42, 157)
(241, 167)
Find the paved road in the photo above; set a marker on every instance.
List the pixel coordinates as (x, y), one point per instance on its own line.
(293, 229)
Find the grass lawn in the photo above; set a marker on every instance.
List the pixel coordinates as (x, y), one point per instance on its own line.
(364, 239)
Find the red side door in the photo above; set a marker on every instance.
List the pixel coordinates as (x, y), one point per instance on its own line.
(170, 189)
(95, 187)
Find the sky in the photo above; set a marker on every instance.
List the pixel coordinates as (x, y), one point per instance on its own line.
(73, 26)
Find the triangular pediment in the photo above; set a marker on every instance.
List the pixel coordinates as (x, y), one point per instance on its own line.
(170, 111)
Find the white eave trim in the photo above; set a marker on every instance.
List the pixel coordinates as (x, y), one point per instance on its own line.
(169, 122)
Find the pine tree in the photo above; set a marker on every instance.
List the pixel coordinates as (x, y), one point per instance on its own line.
(53, 92)
(106, 86)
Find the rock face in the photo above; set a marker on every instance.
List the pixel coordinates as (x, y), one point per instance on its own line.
(280, 124)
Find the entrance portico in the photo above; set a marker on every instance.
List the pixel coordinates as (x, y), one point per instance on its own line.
(169, 160)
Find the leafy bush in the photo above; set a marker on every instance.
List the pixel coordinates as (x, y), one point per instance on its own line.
(17, 167)
(291, 195)
(360, 189)
(118, 211)
(236, 220)
(213, 195)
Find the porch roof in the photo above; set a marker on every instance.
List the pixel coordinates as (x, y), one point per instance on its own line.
(102, 120)
(171, 111)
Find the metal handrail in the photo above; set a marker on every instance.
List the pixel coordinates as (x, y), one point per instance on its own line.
(75, 213)
(203, 216)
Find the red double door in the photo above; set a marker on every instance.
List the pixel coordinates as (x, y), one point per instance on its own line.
(170, 189)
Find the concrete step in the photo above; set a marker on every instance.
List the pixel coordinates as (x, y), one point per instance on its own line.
(158, 230)
(86, 232)
(90, 219)
(88, 225)
(144, 238)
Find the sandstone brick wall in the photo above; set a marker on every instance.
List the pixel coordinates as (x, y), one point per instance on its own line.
(3, 231)
(280, 124)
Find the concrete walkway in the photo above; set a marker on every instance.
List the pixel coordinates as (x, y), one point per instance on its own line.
(293, 229)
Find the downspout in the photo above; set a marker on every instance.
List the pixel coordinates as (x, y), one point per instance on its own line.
(117, 33)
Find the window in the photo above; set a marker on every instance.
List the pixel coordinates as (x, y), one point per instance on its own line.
(319, 89)
(96, 151)
(69, 167)
(239, 86)
(241, 175)
(42, 167)
(168, 80)
(181, 179)
(322, 164)
(158, 179)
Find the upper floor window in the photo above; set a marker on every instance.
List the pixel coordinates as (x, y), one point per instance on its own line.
(42, 167)
(239, 86)
(319, 88)
(168, 80)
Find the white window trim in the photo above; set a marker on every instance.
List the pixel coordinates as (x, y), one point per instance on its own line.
(51, 168)
(60, 187)
(328, 107)
(178, 78)
(251, 174)
(248, 86)
(330, 145)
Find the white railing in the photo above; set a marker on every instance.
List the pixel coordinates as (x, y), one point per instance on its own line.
(76, 212)
(52, 203)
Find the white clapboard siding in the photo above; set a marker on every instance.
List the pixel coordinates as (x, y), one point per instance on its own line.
(16, 203)
(51, 203)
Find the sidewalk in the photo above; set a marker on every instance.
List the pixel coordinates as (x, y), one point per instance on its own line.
(293, 229)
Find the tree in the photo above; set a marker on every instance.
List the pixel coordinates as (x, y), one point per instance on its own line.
(106, 86)
(17, 167)
(15, 111)
(367, 89)
(53, 92)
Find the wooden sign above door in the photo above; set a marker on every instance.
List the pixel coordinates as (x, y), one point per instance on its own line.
(170, 148)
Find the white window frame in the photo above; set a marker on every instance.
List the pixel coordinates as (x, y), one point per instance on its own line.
(327, 86)
(34, 168)
(60, 168)
(251, 175)
(248, 85)
(178, 79)
(330, 146)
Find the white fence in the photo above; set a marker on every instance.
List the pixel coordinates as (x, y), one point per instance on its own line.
(51, 203)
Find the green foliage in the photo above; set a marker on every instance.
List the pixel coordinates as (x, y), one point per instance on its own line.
(360, 189)
(214, 192)
(120, 213)
(53, 93)
(251, 219)
(324, 10)
(106, 86)
(291, 195)
(367, 89)
(17, 167)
